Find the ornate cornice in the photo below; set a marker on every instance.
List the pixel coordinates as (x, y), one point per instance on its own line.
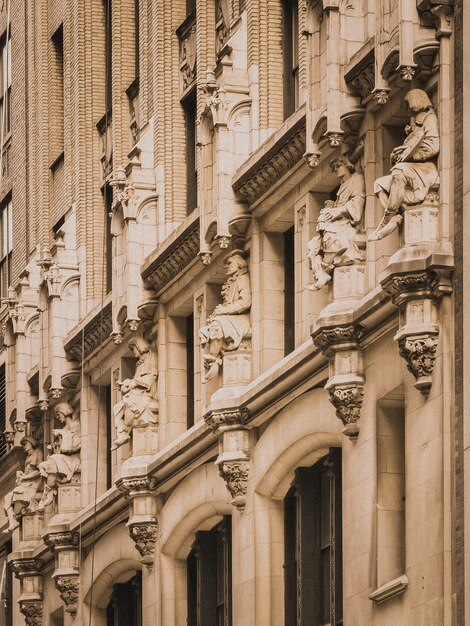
(410, 285)
(136, 485)
(234, 416)
(26, 567)
(351, 334)
(173, 260)
(62, 540)
(95, 333)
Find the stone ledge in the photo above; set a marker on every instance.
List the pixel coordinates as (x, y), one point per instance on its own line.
(390, 589)
(96, 329)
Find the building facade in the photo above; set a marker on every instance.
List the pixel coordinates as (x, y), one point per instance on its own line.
(232, 374)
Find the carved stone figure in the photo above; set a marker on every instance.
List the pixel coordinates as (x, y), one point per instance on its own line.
(23, 497)
(230, 322)
(64, 458)
(413, 170)
(339, 223)
(139, 402)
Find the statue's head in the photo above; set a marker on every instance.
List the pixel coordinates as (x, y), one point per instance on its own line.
(138, 346)
(63, 410)
(235, 262)
(338, 162)
(418, 100)
(29, 441)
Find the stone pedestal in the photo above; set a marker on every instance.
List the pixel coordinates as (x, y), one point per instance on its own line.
(236, 365)
(31, 526)
(144, 440)
(349, 282)
(69, 496)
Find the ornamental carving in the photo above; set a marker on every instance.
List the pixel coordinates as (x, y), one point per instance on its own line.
(399, 286)
(338, 335)
(96, 332)
(364, 82)
(235, 475)
(131, 486)
(26, 567)
(32, 611)
(68, 586)
(413, 171)
(171, 264)
(187, 36)
(273, 168)
(230, 321)
(419, 352)
(144, 535)
(227, 417)
(61, 540)
(339, 225)
(347, 401)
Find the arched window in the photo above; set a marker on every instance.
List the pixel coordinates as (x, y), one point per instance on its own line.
(313, 545)
(125, 605)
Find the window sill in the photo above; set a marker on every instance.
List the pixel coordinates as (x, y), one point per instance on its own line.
(390, 590)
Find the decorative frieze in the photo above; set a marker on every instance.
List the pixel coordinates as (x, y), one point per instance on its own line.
(136, 485)
(235, 416)
(96, 332)
(348, 335)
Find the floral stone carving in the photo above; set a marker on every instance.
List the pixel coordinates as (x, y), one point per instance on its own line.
(139, 402)
(67, 586)
(338, 227)
(235, 475)
(347, 401)
(230, 322)
(413, 170)
(22, 499)
(144, 535)
(64, 453)
(419, 352)
(32, 611)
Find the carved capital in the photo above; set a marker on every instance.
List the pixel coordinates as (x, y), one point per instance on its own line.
(419, 352)
(312, 159)
(206, 257)
(235, 416)
(347, 400)
(223, 241)
(235, 475)
(32, 611)
(381, 96)
(63, 540)
(68, 586)
(334, 138)
(136, 485)
(406, 72)
(411, 285)
(26, 567)
(350, 335)
(144, 535)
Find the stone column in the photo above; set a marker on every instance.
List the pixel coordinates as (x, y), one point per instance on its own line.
(64, 545)
(27, 570)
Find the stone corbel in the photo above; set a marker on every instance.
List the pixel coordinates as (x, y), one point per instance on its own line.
(416, 294)
(143, 514)
(345, 385)
(64, 545)
(233, 461)
(28, 572)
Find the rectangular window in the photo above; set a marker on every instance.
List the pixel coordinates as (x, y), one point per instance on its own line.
(190, 370)
(5, 87)
(108, 52)
(108, 405)
(209, 577)
(136, 37)
(108, 242)
(3, 411)
(6, 229)
(290, 46)
(189, 106)
(289, 291)
(313, 545)
(56, 86)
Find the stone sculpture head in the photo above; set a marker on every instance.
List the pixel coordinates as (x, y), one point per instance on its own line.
(341, 166)
(62, 411)
(138, 346)
(29, 443)
(418, 100)
(235, 262)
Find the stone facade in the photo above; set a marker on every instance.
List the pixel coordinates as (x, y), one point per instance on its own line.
(226, 313)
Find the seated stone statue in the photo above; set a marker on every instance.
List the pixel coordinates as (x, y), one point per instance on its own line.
(339, 223)
(23, 497)
(64, 453)
(139, 403)
(230, 322)
(414, 169)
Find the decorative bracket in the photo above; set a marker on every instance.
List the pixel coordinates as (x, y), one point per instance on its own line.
(28, 571)
(64, 545)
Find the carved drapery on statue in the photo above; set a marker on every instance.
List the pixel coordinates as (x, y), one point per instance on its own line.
(414, 169)
(230, 322)
(339, 225)
(23, 498)
(139, 402)
(64, 453)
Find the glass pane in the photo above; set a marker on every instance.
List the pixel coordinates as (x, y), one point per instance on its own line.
(10, 226)
(326, 612)
(9, 63)
(325, 511)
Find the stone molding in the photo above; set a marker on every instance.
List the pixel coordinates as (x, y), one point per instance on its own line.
(136, 485)
(236, 416)
(95, 333)
(32, 611)
(26, 567)
(61, 540)
(184, 250)
(403, 286)
(327, 338)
